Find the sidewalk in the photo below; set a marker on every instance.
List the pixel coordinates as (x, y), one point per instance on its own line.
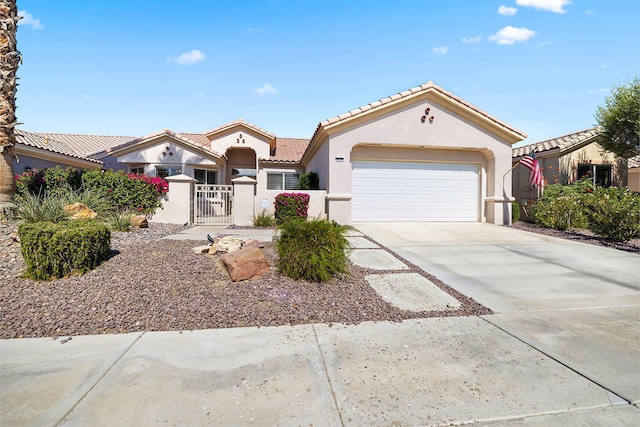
(421, 372)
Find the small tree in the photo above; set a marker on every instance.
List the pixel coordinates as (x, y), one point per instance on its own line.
(620, 118)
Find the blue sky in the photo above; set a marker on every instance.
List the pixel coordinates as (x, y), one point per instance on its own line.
(136, 67)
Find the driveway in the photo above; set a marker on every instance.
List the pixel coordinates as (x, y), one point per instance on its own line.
(574, 302)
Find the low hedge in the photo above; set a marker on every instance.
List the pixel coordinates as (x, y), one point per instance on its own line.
(54, 250)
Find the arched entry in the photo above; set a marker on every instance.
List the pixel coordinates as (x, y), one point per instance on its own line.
(240, 162)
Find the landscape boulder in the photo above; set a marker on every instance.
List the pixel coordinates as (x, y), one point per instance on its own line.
(139, 221)
(80, 211)
(245, 263)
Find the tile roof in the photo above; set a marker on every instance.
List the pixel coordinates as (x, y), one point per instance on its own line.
(289, 150)
(193, 139)
(198, 138)
(87, 145)
(565, 143)
(634, 162)
(239, 122)
(44, 142)
(427, 87)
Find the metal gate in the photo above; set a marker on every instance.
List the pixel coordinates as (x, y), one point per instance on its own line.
(213, 204)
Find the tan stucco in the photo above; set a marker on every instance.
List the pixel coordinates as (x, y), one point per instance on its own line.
(400, 135)
(560, 167)
(634, 179)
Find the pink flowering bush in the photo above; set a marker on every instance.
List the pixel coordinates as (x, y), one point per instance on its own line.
(291, 205)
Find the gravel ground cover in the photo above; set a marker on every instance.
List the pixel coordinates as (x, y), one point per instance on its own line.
(149, 284)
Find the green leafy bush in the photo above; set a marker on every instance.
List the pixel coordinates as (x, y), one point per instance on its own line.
(264, 220)
(291, 205)
(312, 250)
(53, 250)
(309, 181)
(127, 191)
(614, 213)
(122, 191)
(515, 211)
(562, 207)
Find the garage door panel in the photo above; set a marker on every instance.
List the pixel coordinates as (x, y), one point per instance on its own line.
(405, 191)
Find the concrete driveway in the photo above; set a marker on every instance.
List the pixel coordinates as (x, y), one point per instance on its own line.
(576, 303)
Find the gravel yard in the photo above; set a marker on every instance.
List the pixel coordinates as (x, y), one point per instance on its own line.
(149, 284)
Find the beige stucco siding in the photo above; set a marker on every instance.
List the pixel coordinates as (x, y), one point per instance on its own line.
(446, 138)
(242, 137)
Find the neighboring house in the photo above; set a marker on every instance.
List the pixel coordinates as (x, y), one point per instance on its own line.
(420, 155)
(634, 174)
(566, 159)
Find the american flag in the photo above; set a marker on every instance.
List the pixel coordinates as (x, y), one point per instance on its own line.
(535, 174)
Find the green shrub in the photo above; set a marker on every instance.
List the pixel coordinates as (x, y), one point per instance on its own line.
(312, 250)
(126, 191)
(33, 208)
(120, 220)
(264, 220)
(309, 181)
(291, 205)
(614, 213)
(515, 211)
(562, 207)
(49, 181)
(53, 250)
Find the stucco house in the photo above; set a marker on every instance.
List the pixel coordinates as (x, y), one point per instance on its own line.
(633, 178)
(568, 158)
(420, 155)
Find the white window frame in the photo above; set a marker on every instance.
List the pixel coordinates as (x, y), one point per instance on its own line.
(171, 170)
(284, 182)
(207, 173)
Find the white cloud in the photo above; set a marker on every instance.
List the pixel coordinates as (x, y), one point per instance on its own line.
(475, 39)
(603, 66)
(544, 43)
(511, 35)
(440, 50)
(256, 30)
(189, 57)
(28, 19)
(507, 11)
(556, 6)
(590, 12)
(267, 89)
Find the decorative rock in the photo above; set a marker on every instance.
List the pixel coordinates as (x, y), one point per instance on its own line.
(254, 243)
(200, 250)
(14, 237)
(213, 249)
(245, 263)
(80, 211)
(139, 221)
(229, 244)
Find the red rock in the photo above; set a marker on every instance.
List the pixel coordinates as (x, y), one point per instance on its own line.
(254, 243)
(245, 263)
(139, 221)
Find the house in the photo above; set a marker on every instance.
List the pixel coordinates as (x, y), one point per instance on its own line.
(420, 155)
(566, 159)
(633, 178)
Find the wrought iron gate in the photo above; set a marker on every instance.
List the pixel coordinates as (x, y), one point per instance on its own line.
(213, 204)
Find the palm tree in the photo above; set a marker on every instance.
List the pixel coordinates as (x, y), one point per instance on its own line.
(9, 60)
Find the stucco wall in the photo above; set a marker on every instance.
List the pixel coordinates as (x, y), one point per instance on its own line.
(241, 138)
(449, 137)
(34, 163)
(634, 179)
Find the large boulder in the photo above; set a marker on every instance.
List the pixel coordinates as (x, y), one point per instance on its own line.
(245, 263)
(80, 211)
(139, 221)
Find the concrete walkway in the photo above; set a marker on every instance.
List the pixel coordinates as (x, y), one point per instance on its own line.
(531, 363)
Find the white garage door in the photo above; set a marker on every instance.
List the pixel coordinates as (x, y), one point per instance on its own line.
(399, 191)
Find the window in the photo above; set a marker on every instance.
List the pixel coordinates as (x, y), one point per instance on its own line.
(139, 170)
(204, 176)
(166, 171)
(282, 181)
(603, 173)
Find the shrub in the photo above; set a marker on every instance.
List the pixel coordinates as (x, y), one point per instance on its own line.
(312, 250)
(309, 181)
(33, 208)
(562, 207)
(50, 181)
(127, 191)
(120, 220)
(264, 220)
(614, 213)
(53, 250)
(515, 211)
(291, 205)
